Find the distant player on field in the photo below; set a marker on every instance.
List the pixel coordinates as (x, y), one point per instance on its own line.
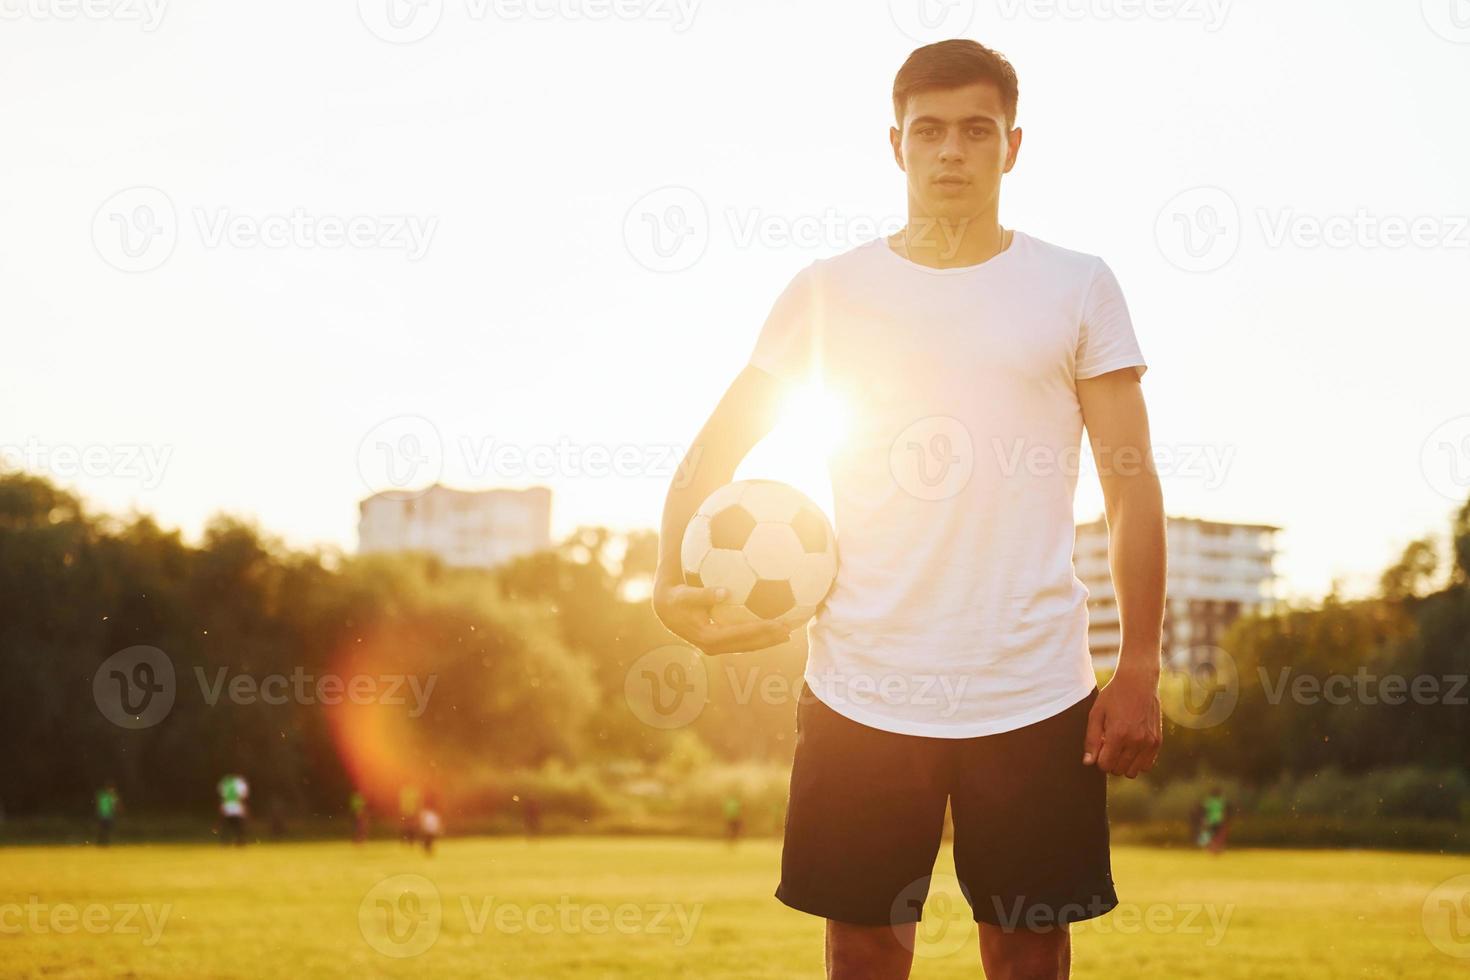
(357, 804)
(733, 820)
(431, 823)
(233, 792)
(1215, 816)
(107, 806)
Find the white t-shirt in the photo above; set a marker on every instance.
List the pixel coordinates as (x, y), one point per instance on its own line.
(956, 611)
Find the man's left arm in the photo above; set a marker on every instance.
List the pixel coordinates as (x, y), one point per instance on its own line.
(1125, 728)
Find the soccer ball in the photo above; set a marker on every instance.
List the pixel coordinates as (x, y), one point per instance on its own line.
(766, 543)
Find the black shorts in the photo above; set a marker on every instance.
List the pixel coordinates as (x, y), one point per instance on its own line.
(866, 815)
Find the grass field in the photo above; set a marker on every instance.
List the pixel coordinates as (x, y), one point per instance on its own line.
(618, 907)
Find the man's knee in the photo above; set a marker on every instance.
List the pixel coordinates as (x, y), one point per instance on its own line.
(868, 952)
(1022, 954)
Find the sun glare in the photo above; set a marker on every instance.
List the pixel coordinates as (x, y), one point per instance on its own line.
(811, 427)
(817, 417)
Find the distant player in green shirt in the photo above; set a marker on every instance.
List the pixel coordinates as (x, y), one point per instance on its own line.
(107, 804)
(732, 818)
(1216, 812)
(233, 792)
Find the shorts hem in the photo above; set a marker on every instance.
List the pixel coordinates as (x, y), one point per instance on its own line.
(826, 910)
(1065, 912)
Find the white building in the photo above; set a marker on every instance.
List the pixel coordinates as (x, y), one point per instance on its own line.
(1217, 573)
(464, 528)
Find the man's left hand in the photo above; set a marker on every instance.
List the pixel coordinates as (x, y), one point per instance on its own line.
(1125, 728)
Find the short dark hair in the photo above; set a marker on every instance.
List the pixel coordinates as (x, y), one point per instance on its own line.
(954, 64)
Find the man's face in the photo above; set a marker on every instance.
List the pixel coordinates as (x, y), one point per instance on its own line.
(954, 147)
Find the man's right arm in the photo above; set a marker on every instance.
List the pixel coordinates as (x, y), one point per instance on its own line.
(743, 417)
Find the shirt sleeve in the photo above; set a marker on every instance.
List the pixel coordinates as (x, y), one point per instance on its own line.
(787, 341)
(1106, 341)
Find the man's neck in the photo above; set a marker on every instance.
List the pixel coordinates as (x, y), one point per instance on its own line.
(946, 243)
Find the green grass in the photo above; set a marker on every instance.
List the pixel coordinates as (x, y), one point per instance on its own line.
(292, 910)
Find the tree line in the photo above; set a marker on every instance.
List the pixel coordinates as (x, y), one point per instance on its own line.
(464, 674)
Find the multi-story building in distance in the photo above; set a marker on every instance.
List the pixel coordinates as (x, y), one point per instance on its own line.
(464, 528)
(1217, 573)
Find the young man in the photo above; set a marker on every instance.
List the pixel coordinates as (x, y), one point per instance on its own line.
(950, 664)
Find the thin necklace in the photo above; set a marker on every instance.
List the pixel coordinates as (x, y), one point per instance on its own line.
(1005, 237)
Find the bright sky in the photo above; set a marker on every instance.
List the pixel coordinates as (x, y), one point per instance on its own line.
(502, 310)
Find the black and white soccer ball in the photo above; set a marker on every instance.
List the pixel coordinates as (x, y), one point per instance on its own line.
(769, 545)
